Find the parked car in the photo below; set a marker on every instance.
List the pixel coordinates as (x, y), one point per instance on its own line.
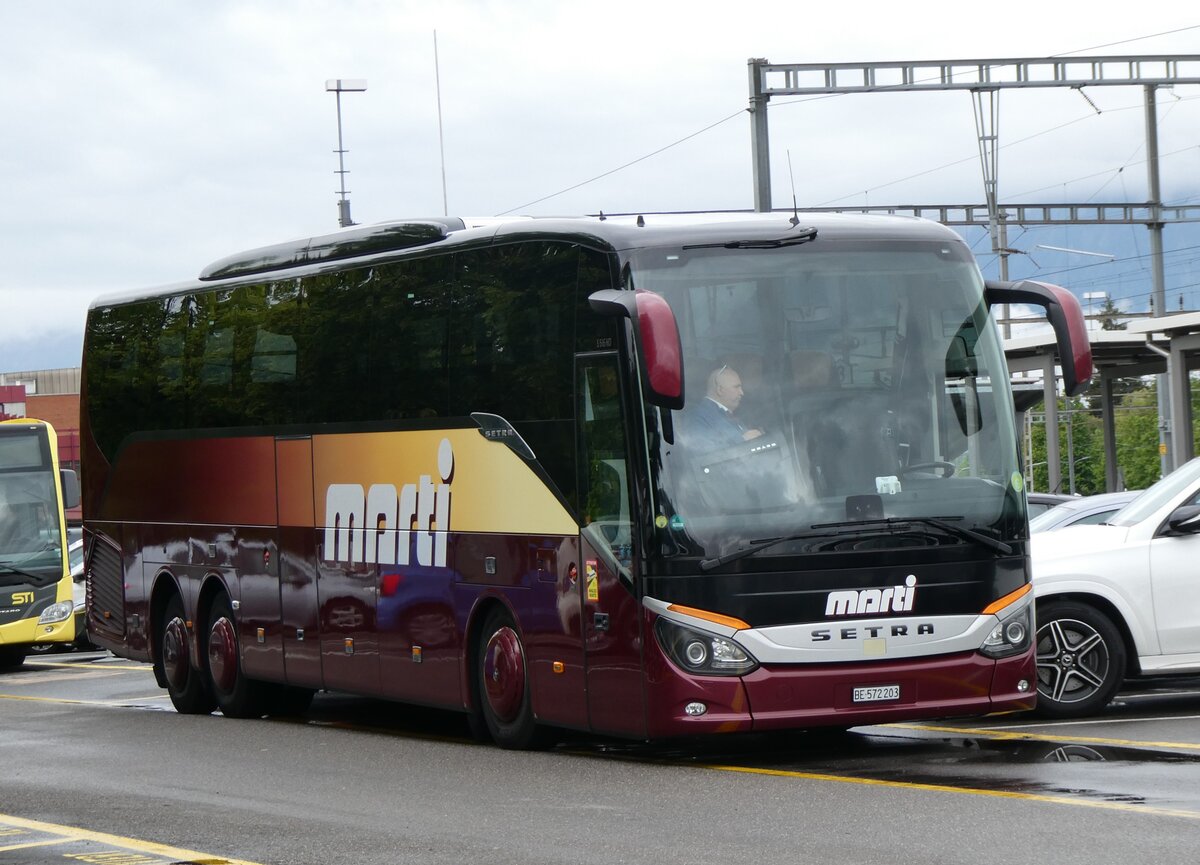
(1088, 510)
(1039, 503)
(1120, 599)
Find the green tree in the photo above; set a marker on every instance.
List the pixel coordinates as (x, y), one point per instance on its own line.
(1081, 437)
(1137, 438)
(1109, 316)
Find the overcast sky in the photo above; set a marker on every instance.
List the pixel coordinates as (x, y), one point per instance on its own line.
(146, 138)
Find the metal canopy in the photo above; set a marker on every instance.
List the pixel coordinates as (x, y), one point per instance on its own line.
(1169, 344)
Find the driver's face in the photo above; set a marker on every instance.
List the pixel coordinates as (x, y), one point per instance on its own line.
(729, 389)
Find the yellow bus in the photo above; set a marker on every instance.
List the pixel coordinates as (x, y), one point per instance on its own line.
(36, 604)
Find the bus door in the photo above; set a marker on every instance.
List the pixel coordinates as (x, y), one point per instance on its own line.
(297, 554)
(612, 620)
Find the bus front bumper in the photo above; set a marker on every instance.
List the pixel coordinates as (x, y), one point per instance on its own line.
(781, 697)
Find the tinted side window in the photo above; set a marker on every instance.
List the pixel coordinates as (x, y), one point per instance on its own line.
(335, 362)
(412, 302)
(512, 342)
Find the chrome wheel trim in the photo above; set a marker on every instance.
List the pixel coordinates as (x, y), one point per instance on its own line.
(1073, 661)
(222, 655)
(175, 654)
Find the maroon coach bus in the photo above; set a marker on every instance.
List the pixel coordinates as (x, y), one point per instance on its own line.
(650, 480)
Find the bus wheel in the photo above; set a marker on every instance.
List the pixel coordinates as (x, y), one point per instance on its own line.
(504, 683)
(11, 657)
(236, 695)
(185, 686)
(1080, 659)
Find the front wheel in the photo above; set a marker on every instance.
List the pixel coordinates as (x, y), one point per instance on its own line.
(11, 658)
(503, 683)
(236, 695)
(1080, 659)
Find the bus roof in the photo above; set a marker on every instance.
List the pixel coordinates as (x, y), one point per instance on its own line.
(617, 233)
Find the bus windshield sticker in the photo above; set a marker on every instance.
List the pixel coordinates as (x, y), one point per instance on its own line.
(593, 580)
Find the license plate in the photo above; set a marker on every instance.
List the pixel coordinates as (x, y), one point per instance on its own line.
(875, 693)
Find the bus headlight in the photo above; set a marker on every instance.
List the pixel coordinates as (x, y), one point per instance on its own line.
(701, 652)
(56, 612)
(1010, 637)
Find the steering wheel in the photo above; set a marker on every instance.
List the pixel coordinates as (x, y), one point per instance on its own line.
(947, 469)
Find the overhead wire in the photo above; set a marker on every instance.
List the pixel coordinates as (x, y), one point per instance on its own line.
(742, 111)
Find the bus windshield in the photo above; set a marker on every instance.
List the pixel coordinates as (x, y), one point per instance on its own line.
(858, 384)
(30, 527)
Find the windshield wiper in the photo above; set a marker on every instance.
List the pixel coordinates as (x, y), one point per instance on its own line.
(936, 522)
(716, 562)
(802, 235)
(860, 527)
(9, 569)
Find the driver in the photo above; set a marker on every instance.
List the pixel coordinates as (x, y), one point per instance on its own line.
(712, 424)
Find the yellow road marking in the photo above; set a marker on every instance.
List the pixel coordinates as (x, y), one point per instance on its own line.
(1004, 735)
(108, 704)
(73, 833)
(970, 791)
(56, 676)
(87, 666)
(30, 844)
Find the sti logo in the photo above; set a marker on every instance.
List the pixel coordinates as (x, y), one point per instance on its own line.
(22, 598)
(390, 516)
(894, 599)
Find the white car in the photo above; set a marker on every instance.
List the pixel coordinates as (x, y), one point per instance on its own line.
(1119, 600)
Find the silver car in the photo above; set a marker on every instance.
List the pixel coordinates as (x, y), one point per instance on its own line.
(1085, 511)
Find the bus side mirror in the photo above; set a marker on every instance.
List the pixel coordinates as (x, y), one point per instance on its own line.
(1065, 316)
(70, 488)
(657, 335)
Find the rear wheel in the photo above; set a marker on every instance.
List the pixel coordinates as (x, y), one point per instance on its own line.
(503, 683)
(1080, 659)
(185, 685)
(236, 695)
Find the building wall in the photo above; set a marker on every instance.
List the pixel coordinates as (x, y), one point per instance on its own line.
(59, 410)
(45, 381)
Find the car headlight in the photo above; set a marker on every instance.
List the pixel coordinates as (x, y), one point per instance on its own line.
(56, 612)
(700, 652)
(1010, 637)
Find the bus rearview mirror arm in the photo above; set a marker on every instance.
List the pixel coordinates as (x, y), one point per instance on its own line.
(1065, 316)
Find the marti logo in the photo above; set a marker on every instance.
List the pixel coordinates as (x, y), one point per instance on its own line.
(376, 527)
(894, 599)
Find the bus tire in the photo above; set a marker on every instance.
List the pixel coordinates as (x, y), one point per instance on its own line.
(237, 696)
(185, 685)
(502, 676)
(11, 658)
(1080, 659)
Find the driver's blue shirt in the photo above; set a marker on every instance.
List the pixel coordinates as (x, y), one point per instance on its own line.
(710, 426)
